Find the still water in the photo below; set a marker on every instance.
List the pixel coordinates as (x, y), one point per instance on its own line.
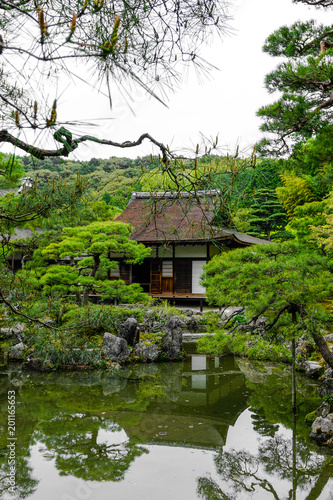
(207, 428)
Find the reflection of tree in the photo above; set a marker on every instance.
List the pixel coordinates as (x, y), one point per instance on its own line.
(261, 425)
(72, 418)
(278, 459)
(72, 438)
(274, 462)
(271, 395)
(243, 469)
(208, 489)
(276, 455)
(66, 413)
(73, 441)
(25, 484)
(73, 415)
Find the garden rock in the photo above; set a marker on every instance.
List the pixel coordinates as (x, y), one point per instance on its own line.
(172, 341)
(312, 368)
(326, 386)
(191, 323)
(149, 326)
(17, 351)
(324, 409)
(115, 348)
(129, 331)
(6, 333)
(188, 312)
(304, 349)
(229, 312)
(18, 328)
(329, 337)
(147, 353)
(258, 325)
(322, 430)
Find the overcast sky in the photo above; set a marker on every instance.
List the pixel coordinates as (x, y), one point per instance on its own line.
(223, 105)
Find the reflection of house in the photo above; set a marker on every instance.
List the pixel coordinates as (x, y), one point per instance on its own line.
(207, 398)
(179, 227)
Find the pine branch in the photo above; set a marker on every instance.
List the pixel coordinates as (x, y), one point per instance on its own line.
(64, 136)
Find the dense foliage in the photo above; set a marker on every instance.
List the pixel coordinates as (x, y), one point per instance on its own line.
(278, 283)
(305, 80)
(68, 208)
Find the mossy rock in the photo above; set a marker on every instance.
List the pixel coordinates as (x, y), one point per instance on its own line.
(310, 417)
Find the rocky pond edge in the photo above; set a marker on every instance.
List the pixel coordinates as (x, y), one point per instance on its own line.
(126, 347)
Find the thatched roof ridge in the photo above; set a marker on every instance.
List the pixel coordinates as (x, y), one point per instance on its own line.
(178, 217)
(171, 195)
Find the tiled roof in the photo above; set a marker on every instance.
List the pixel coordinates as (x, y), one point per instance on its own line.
(182, 217)
(23, 233)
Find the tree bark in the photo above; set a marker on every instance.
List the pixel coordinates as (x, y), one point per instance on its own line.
(323, 348)
(293, 352)
(92, 274)
(293, 382)
(78, 298)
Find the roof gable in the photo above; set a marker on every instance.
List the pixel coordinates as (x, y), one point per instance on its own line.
(178, 217)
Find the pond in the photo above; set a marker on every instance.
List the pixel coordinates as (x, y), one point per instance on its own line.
(206, 428)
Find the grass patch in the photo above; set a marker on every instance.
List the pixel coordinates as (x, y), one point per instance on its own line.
(94, 319)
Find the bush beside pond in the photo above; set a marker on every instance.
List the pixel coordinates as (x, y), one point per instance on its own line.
(78, 339)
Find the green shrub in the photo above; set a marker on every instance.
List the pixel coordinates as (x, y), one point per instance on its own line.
(124, 294)
(328, 399)
(212, 319)
(55, 347)
(238, 318)
(243, 344)
(95, 319)
(163, 310)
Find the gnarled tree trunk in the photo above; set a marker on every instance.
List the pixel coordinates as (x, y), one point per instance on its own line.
(323, 347)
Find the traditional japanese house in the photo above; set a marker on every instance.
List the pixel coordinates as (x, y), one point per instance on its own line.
(179, 228)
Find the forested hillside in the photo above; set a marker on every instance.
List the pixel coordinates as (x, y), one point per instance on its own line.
(110, 179)
(248, 185)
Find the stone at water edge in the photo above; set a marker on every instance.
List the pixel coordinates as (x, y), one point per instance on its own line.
(172, 340)
(17, 351)
(16, 330)
(129, 331)
(326, 386)
(322, 430)
(115, 348)
(323, 410)
(147, 353)
(313, 368)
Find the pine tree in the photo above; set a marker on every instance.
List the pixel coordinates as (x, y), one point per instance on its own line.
(305, 79)
(267, 215)
(282, 282)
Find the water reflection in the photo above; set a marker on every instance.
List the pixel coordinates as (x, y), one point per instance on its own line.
(282, 465)
(97, 427)
(274, 472)
(199, 363)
